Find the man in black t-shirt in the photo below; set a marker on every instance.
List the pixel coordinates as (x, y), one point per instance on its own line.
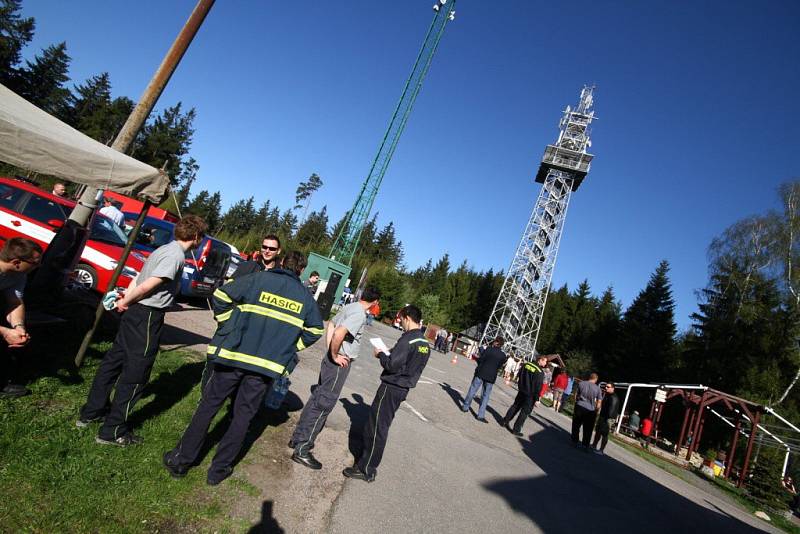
(266, 260)
(609, 411)
(491, 360)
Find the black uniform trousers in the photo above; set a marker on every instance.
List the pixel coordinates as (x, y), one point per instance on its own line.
(582, 418)
(324, 396)
(381, 414)
(523, 403)
(223, 381)
(128, 364)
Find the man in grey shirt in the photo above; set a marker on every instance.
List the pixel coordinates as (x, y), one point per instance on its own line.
(129, 361)
(587, 403)
(343, 337)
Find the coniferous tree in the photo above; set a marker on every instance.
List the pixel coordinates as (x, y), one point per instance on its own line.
(583, 318)
(765, 485)
(166, 140)
(41, 82)
(647, 350)
(605, 336)
(15, 33)
(313, 232)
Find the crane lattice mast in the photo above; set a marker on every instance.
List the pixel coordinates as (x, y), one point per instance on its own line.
(346, 242)
(517, 314)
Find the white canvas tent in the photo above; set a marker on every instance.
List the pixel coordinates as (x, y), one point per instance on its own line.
(35, 140)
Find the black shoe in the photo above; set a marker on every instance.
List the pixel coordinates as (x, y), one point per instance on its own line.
(174, 470)
(482, 420)
(215, 478)
(122, 441)
(356, 473)
(305, 458)
(83, 423)
(14, 390)
(506, 425)
(517, 433)
(292, 445)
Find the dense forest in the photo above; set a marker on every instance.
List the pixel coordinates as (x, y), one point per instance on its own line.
(743, 337)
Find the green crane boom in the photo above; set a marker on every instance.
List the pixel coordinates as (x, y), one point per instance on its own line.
(346, 242)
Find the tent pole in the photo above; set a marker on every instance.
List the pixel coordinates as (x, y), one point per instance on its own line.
(88, 199)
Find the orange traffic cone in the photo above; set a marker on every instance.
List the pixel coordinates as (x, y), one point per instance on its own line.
(455, 358)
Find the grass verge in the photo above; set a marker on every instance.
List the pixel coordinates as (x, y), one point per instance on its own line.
(55, 478)
(736, 494)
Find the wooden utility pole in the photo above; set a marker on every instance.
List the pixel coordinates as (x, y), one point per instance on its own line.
(89, 199)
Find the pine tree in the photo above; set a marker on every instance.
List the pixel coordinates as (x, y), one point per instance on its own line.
(166, 140)
(583, 318)
(287, 225)
(41, 82)
(647, 350)
(604, 339)
(765, 485)
(15, 33)
(313, 233)
(302, 196)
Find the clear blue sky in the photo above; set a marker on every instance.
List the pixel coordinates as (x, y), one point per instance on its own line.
(697, 106)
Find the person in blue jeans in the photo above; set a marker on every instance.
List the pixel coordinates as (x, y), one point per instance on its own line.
(490, 361)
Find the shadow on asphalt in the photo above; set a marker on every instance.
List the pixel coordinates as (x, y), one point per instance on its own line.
(267, 524)
(172, 335)
(358, 412)
(584, 492)
(459, 400)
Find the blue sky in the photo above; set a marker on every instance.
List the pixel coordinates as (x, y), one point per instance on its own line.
(698, 117)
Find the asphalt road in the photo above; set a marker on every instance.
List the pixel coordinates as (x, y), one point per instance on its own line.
(443, 471)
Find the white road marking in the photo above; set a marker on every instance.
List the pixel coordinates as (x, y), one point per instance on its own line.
(435, 369)
(416, 412)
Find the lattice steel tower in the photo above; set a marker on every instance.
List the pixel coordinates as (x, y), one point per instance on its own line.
(517, 314)
(345, 244)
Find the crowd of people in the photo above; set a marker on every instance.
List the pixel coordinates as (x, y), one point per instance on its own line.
(596, 406)
(265, 315)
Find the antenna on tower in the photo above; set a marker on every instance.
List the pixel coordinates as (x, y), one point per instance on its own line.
(517, 314)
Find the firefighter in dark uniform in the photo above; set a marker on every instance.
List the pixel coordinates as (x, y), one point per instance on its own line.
(531, 378)
(401, 371)
(264, 319)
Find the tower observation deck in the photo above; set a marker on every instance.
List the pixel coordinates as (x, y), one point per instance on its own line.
(517, 314)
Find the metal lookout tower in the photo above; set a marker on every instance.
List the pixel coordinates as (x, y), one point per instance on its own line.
(517, 314)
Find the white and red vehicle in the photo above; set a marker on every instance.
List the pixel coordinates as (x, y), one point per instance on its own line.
(27, 211)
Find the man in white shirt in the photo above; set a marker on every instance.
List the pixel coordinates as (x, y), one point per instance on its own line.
(111, 211)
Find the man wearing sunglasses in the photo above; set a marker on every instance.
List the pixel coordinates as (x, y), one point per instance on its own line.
(266, 260)
(18, 257)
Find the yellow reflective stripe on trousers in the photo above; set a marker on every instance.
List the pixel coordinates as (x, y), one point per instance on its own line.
(223, 316)
(300, 344)
(246, 358)
(273, 314)
(221, 295)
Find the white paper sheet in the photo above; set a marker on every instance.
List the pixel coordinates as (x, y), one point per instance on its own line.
(379, 344)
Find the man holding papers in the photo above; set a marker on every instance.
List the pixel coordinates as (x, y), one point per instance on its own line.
(402, 368)
(343, 337)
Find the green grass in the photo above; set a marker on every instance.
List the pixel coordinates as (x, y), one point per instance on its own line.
(54, 478)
